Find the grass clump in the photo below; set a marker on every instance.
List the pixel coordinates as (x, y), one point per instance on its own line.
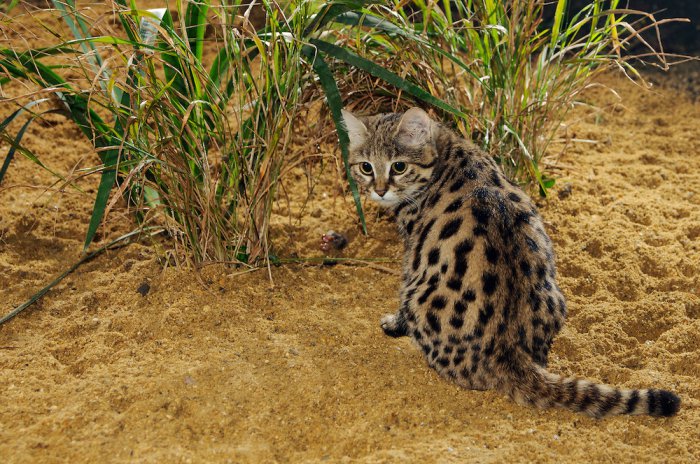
(514, 67)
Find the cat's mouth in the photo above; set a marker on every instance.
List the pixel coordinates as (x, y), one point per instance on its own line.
(388, 199)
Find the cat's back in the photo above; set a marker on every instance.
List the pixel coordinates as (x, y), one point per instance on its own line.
(481, 263)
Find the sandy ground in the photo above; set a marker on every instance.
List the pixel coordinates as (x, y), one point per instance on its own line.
(224, 366)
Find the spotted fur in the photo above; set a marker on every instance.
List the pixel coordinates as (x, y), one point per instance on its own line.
(479, 295)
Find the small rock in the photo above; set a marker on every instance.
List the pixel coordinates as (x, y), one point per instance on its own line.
(144, 288)
(565, 190)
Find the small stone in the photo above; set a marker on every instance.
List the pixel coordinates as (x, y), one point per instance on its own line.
(144, 288)
(565, 190)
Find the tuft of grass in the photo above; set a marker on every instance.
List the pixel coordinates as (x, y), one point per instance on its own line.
(191, 111)
(512, 69)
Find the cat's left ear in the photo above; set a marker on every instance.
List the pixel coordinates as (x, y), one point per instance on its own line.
(357, 131)
(415, 128)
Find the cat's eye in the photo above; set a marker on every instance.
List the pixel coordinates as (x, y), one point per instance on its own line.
(399, 167)
(366, 168)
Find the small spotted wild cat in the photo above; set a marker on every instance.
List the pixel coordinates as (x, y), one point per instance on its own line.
(479, 294)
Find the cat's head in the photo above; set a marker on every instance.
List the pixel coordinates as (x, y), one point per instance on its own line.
(392, 155)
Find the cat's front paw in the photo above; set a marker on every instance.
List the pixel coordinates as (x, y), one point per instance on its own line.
(394, 326)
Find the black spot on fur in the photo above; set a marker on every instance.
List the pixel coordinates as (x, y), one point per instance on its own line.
(496, 179)
(434, 322)
(481, 215)
(550, 305)
(421, 241)
(469, 296)
(490, 348)
(444, 362)
(490, 281)
(471, 174)
(492, 254)
(486, 313)
(481, 193)
(525, 268)
(454, 206)
(668, 403)
(522, 217)
(461, 251)
(537, 342)
(632, 402)
(431, 201)
(460, 308)
(608, 403)
(434, 256)
(443, 268)
(426, 294)
(409, 227)
(417, 335)
(434, 279)
(457, 185)
(541, 272)
(531, 243)
(439, 302)
(590, 396)
(514, 197)
(451, 228)
(456, 322)
(479, 230)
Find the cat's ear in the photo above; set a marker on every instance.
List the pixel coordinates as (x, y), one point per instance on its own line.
(415, 128)
(357, 131)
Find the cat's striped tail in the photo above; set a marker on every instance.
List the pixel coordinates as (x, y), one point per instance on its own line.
(534, 385)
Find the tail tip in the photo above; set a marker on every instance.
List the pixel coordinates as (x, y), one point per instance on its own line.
(668, 403)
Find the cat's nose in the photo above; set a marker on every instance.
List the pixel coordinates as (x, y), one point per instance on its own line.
(380, 192)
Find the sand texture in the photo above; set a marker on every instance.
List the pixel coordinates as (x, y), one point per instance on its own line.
(218, 365)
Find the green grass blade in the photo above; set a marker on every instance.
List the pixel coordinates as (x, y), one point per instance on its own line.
(335, 103)
(331, 10)
(196, 25)
(374, 69)
(558, 18)
(109, 176)
(81, 30)
(15, 144)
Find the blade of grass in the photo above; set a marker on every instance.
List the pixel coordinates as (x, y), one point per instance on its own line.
(335, 103)
(196, 25)
(16, 143)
